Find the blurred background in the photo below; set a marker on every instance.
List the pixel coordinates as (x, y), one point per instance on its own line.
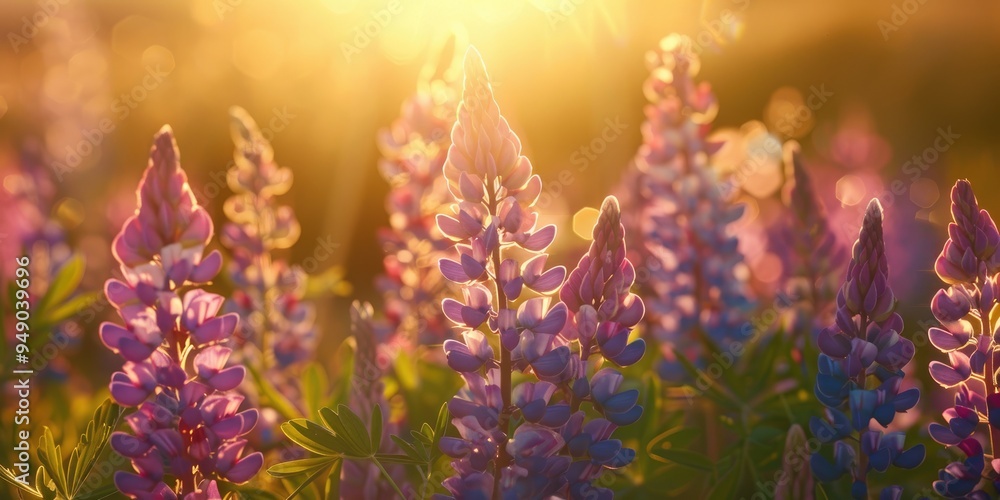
(863, 86)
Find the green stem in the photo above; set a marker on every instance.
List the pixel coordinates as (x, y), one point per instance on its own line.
(389, 478)
(503, 459)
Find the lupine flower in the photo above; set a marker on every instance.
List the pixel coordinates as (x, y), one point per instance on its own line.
(863, 346)
(553, 451)
(969, 264)
(187, 422)
(268, 293)
(413, 149)
(810, 230)
(800, 484)
(678, 219)
(363, 480)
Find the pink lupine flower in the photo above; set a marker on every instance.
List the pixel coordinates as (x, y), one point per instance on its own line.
(413, 150)
(186, 423)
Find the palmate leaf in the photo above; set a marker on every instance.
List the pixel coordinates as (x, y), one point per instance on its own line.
(45, 485)
(314, 437)
(50, 456)
(342, 435)
(52, 479)
(92, 444)
(350, 431)
(417, 453)
(302, 466)
(10, 477)
(69, 480)
(313, 476)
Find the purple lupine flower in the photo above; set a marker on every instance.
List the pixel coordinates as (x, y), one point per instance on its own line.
(969, 264)
(269, 291)
(187, 423)
(810, 230)
(864, 343)
(553, 451)
(360, 480)
(677, 216)
(414, 149)
(495, 215)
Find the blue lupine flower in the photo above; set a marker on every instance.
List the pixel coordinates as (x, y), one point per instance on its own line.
(864, 343)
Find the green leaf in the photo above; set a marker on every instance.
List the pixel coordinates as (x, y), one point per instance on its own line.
(50, 457)
(333, 481)
(440, 430)
(408, 449)
(426, 434)
(376, 428)
(356, 428)
(45, 485)
(396, 458)
(388, 478)
(313, 437)
(65, 310)
(687, 458)
(314, 387)
(273, 397)
(92, 444)
(64, 284)
(309, 480)
(10, 477)
(303, 466)
(349, 446)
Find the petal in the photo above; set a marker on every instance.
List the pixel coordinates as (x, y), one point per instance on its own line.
(246, 468)
(541, 239)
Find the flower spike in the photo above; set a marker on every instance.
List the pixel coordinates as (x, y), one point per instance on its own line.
(864, 344)
(176, 373)
(554, 450)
